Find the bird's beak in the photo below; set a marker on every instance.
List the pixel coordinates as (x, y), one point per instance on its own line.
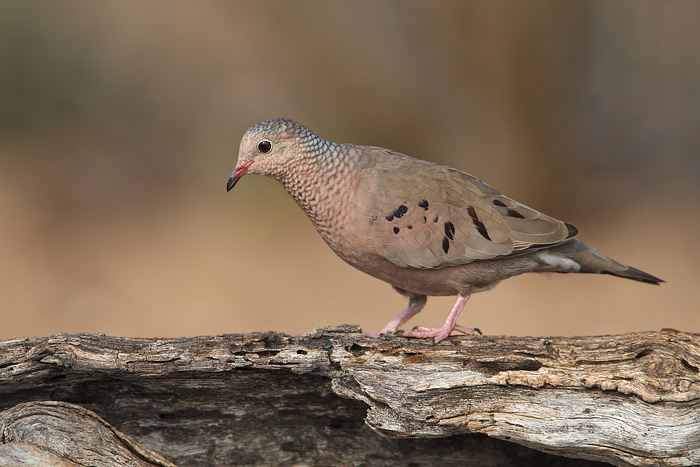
(239, 171)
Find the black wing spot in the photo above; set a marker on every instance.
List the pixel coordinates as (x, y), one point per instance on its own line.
(445, 245)
(389, 217)
(450, 230)
(409, 226)
(425, 219)
(398, 212)
(435, 219)
(500, 203)
(424, 204)
(480, 227)
(514, 213)
(396, 230)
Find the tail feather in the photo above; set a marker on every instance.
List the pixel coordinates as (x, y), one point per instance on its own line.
(593, 261)
(636, 274)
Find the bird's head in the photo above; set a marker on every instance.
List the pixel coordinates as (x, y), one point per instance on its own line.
(266, 148)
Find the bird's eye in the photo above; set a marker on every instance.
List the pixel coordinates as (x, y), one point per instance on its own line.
(264, 146)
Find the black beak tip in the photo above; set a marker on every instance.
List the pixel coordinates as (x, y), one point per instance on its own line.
(230, 184)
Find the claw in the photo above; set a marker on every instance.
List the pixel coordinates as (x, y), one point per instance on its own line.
(450, 325)
(465, 330)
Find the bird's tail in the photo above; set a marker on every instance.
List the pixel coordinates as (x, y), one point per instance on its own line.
(593, 261)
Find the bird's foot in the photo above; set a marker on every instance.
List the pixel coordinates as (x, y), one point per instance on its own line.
(466, 330)
(438, 333)
(424, 333)
(447, 328)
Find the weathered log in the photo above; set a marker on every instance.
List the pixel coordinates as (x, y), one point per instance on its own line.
(62, 434)
(273, 399)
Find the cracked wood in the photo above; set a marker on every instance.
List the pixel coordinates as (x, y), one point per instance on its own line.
(627, 400)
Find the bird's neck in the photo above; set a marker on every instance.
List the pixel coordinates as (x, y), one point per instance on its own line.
(318, 182)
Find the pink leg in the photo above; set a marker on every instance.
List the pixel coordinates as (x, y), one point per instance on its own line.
(449, 325)
(415, 304)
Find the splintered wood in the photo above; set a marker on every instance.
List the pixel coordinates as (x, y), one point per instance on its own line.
(261, 399)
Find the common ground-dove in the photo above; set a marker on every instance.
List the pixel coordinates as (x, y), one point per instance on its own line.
(424, 228)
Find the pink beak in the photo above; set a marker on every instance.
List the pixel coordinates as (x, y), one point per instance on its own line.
(239, 171)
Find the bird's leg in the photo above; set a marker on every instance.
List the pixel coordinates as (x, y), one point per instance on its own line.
(449, 325)
(415, 304)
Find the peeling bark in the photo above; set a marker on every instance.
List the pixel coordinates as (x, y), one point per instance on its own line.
(275, 399)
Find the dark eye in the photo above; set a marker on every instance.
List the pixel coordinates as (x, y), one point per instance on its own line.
(264, 146)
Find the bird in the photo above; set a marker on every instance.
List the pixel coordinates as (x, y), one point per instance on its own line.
(425, 228)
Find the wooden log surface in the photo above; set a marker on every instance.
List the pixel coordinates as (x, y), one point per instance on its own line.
(275, 399)
(38, 433)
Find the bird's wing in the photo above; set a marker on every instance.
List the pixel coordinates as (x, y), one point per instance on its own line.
(426, 215)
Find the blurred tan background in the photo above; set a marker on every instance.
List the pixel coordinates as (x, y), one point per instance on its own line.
(120, 123)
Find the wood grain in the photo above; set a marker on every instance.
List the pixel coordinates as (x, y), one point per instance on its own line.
(268, 398)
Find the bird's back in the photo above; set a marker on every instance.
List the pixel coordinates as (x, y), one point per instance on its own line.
(424, 215)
